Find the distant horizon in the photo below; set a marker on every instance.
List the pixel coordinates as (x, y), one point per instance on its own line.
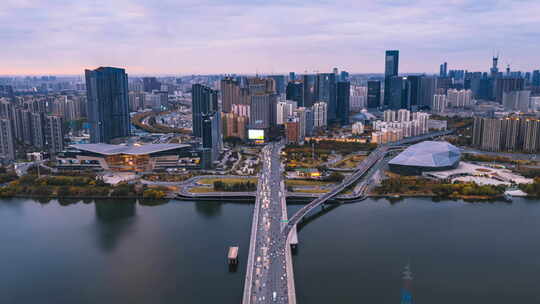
(202, 37)
(211, 74)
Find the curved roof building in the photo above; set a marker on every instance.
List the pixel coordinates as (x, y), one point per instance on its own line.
(130, 158)
(426, 156)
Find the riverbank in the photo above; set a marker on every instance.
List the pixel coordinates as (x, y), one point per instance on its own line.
(486, 198)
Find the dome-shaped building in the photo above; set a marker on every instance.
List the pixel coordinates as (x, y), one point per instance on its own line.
(426, 156)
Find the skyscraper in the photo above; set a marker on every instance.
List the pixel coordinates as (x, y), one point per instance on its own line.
(292, 76)
(374, 94)
(107, 103)
(415, 88)
(211, 138)
(295, 91)
(309, 87)
(343, 102)
(279, 81)
(230, 93)
(391, 69)
(150, 84)
(501, 85)
(326, 91)
(399, 94)
(536, 78)
(443, 72)
(428, 86)
(263, 111)
(204, 101)
(494, 69)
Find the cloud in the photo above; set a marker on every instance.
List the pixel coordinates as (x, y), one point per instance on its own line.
(219, 36)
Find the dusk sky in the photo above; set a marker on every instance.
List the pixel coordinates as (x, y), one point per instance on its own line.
(270, 36)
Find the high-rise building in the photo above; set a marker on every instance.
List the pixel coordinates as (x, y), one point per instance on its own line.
(284, 110)
(343, 102)
(234, 125)
(150, 84)
(263, 111)
(320, 114)
(292, 76)
(494, 69)
(536, 78)
(531, 138)
(230, 93)
(258, 85)
(391, 70)
(415, 91)
(358, 98)
(54, 135)
(403, 115)
(501, 85)
(374, 94)
(389, 116)
(279, 81)
(428, 87)
(295, 91)
(344, 76)
(211, 138)
(7, 141)
(399, 94)
(517, 101)
(292, 130)
(241, 110)
(507, 134)
(326, 89)
(443, 70)
(26, 126)
(107, 103)
(357, 128)
(310, 93)
(204, 101)
(305, 121)
(310, 120)
(459, 98)
(439, 103)
(37, 122)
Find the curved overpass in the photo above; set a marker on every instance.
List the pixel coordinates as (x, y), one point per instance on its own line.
(361, 170)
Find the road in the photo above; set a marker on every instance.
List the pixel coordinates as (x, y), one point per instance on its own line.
(267, 274)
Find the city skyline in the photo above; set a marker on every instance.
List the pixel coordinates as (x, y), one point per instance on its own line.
(207, 37)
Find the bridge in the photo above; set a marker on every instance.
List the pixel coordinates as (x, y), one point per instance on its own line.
(269, 274)
(269, 269)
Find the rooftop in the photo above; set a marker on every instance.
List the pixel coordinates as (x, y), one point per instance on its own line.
(428, 154)
(107, 149)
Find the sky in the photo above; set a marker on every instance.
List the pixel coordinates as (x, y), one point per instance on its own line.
(265, 36)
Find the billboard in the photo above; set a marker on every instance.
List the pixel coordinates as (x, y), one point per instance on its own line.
(256, 134)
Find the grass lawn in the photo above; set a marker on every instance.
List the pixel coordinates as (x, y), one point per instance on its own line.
(350, 162)
(232, 180)
(304, 164)
(201, 190)
(303, 182)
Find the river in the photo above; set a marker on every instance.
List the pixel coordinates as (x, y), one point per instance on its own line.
(123, 252)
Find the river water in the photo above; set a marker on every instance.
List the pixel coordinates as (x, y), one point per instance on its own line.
(123, 252)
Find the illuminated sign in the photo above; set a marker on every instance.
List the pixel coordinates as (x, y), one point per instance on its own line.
(256, 134)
